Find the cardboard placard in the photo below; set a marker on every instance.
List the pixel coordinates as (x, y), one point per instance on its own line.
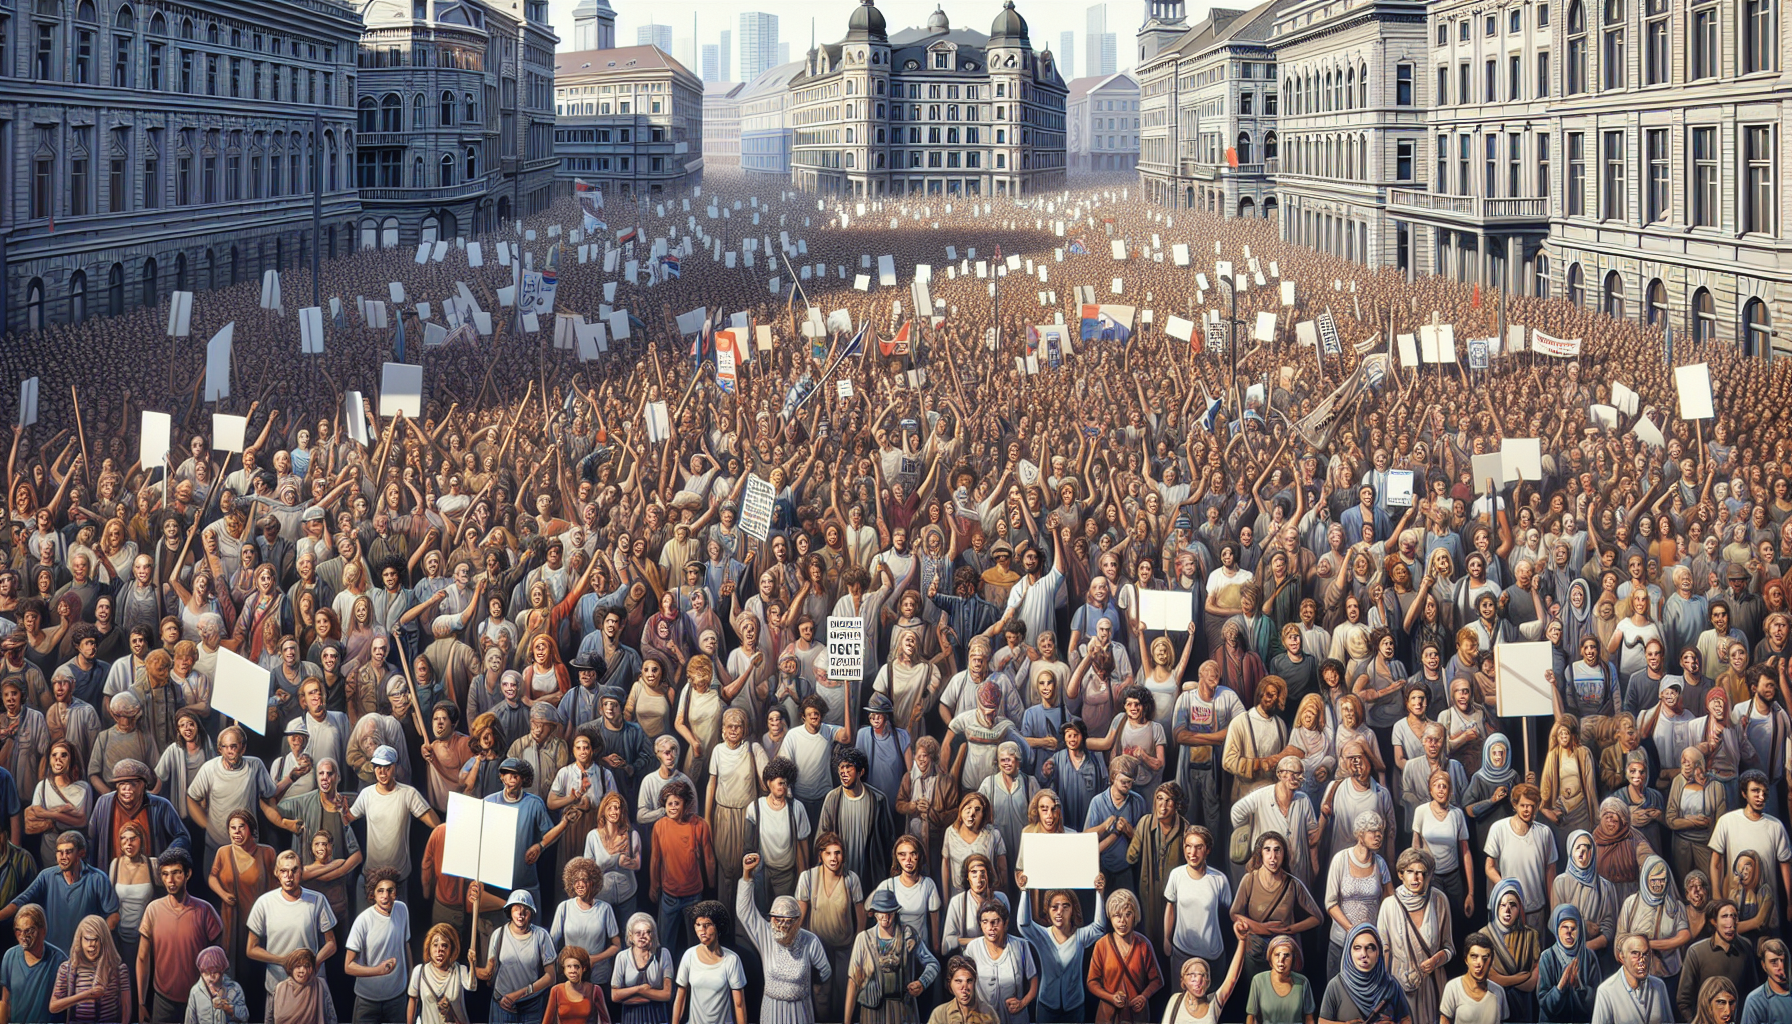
(481, 841)
(846, 647)
(1060, 860)
(28, 401)
(1521, 686)
(756, 507)
(228, 432)
(152, 443)
(217, 363)
(241, 690)
(1693, 383)
(401, 390)
(1165, 609)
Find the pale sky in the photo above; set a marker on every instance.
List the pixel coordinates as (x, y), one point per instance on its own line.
(1046, 20)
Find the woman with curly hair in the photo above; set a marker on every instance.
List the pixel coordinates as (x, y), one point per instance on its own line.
(584, 921)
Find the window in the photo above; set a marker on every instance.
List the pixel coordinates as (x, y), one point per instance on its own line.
(1490, 81)
(44, 62)
(1403, 160)
(1762, 211)
(1514, 164)
(1402, 88)
(155, 66)
(1543, 74)
(1515, 21)
(43, 186)
(367, 115)
(447, 109)
(1462, 95)
(1514, 76)
(1492, 26)
(1612, 301)
(1443, 165)
(1462, 31)
(391, 113)
(942, 61)
(1490, 167)
(1757, 327)
(1655, 303)
(83, 57)
(1612, 191)
(1704, 317)
(1443, 85)
(1577, 48)
(152, 170)
(1443, 33)
(1611, 57)
(1701, 58)
(1577, 289)
(1464, 149)
(1655, 43)
(1543, 164)
(79, 182)
(115, 186)
(1541, 280)
(1542, 15)
(1704, 177)
(1759, 40)
(1577, 173)
(1655, 144)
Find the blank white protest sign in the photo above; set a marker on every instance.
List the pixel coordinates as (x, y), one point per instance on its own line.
(401, 390)
(481, 841)
(1062, 860)
(241, 691)
(228, 432)
(152, 444)
(1694, 385)
(1164, 609)
(1520, 683)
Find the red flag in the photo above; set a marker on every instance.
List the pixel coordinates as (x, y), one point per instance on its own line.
(1477, 295)
(897, 346)
(1194, 340)
(1231, 157)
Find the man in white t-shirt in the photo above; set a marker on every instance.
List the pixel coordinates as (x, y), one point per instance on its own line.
(1196, 898)
(811, 746)
(1750, 827)
(290, 918)
(378, 951)
(389, 805)
(1524, 849)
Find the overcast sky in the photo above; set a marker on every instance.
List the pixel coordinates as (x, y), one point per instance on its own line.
(1046, 20)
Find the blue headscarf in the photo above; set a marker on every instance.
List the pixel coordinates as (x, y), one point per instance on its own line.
(1557, 957)
(1587, 876)
(1497, 776)
(1649, 898)
(1374, 989)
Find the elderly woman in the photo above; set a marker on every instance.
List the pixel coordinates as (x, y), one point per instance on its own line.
(1123, 973)
(1416, 920)
(1356, 885)
(1515, 949)
(1620, 849)
(794, 960)
(1594, 897)
(641, 985)
(1568, 972)
(1693, 806)
(1656, 913)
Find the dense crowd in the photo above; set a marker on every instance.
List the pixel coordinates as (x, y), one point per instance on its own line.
(1304, 801)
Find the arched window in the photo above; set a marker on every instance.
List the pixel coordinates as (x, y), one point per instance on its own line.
(1704, 316)
(1269, 145)
(418, 112)
(1541, 284)
(368, 115)
(211, 270)
(34, 304)
(1349, 86)
(447, 109)
(1244, 147)
(1576, 286)
(389, 233)
(77, 297)
(115, 290)
(391, 113)
(446, 177)
(1362, 85)
(472, 107)
(1611, 55)
(472, 163)
(180, 272)
(1326, 93)
(1577, 48)
(149, 282)
(417, 173)
(1757, 328)
(1612, 303)
(1655, 303)
(431, 228)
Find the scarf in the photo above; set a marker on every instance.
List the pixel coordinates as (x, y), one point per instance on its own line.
(1410, 901)
(1616, 854)
(1374, 989)
(1558, 956)
(1587, 876)
(1577, 624)
(1515, 947)
(1497, 776)
(1666, 900)
(300, 1004)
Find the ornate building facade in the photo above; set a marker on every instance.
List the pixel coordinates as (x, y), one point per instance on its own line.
(157, 147)
(1103, 119)
(930, 111)
(630, 121)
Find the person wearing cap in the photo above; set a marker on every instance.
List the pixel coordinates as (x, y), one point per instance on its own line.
(978, 735)
(1669, 725)
(130, 800)
(889, 967)
(519, 963)
(536, 829)
(794, 960)
(389, 805)
(627, 752)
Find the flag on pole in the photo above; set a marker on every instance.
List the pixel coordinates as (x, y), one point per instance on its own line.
(627, 235)
(669, 266)
(855, 346)
(898, 345)
(1078, 248)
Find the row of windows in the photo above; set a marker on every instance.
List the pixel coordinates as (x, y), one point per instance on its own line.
(1490, 80)
(1757, 43)
(420, 55)
(604, 136)
(381, 168)
(387, 114)
(1490, 24)
(1317, 92)
(1610, 156)
(77, 183)
(1756, 324)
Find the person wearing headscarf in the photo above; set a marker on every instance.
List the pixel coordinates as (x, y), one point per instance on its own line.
(1656, 912)
(793, 958)
(1363, 990)
(215, 998)
(1619, 848)
(1593, 897)
(1568, 972)
(1515, 949)
(1416, 922)
(1485, 801)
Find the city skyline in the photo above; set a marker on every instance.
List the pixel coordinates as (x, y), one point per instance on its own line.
(1048, 21)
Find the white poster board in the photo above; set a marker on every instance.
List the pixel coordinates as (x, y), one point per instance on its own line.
(401, 390)
(481, 841)
(1694, 385)
(1523, 457)
(1519, 679)
(756, 507)
(152, 444)
(228, 432)
(1165, 609)
(217, 363)
(1400, 488)
(28, 401)
(241, 691)
(1060, 860)
(846, 647)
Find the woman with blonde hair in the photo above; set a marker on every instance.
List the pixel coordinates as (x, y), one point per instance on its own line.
(92, 984)
(1569, 782)
(1319, 755)
(614, 847)
(439, 984)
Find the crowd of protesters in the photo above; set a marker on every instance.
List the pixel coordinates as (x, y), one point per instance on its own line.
(1305, 801)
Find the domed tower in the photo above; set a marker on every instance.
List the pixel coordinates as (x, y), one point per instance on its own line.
(1010, 57)
(593, 26)
(937, 22)
(865, 68)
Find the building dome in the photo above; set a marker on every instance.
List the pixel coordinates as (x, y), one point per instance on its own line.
(867, 20)
(1009, 23)
(937, 22)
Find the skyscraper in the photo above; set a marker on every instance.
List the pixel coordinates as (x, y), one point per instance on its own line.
(726, 65)
(758, 44)
(1100, 44)
(712, 63)
(654, 35)
(1067, 55)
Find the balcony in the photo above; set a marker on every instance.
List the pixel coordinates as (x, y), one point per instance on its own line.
(432, 194)
(1470, 208)
(382, 139)
(1206, 171)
